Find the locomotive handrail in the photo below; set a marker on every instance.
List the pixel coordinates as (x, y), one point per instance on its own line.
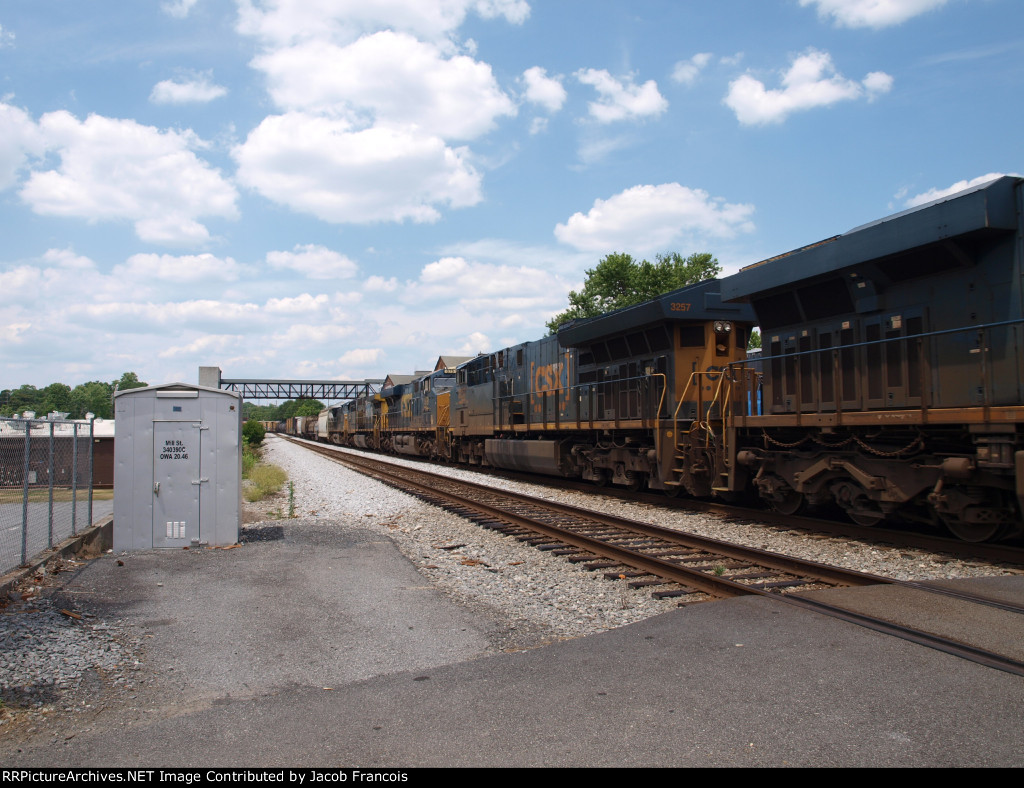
(945, 331)
(914, 343)
(614, 385)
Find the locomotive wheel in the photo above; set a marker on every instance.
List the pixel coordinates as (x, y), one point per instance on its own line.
(672, 491)
(866, 519)
(976, 532)
(857, 505)
(789, 503)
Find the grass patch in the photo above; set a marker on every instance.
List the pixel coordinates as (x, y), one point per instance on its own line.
(60, 495)
(250, 459)
(264, 480)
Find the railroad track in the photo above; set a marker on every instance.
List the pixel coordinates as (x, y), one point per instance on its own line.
(1011, 553)
(673, 564)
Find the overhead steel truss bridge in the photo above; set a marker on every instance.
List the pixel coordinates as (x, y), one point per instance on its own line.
(323, 390)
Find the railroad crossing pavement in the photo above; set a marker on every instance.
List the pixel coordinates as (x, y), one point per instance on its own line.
(326, 648)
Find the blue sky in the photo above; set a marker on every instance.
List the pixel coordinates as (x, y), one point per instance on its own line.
(349, 188)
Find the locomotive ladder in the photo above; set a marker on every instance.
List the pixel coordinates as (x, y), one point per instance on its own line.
(726, 396)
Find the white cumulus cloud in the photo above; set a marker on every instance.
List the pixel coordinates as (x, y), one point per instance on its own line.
(206, 345)
(390, 79)
(179, 9)
(475, 343)
(114, 169)
(372, 98)
(811, 81)
(304, 304)
(378, 284)
(324, 167)
(283, 22)
(20, 139)
(314, 262)
(541, 89)
(687, 71)
(180, 269)
(197, 90)
(479, 286)
(621, 99)
(872, 13)
(650, 218)
(305, 334)
(362, 357)
(959, 186)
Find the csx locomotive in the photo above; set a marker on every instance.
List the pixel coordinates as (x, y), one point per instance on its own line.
(890, 384)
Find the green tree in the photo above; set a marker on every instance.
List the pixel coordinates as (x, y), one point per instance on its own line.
(299, 407)
(25, 398)
(619, 281)
(754, 343)
(253, 433)
(56, 397)
(92, 397)
(129, 380)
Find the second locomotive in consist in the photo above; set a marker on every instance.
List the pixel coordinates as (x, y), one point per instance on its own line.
(891, 385)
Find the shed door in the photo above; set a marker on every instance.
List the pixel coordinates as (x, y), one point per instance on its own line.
(175, 483)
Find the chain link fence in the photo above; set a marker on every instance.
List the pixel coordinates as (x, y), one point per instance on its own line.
(46, 487)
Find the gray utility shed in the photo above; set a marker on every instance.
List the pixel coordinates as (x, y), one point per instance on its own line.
(177, 467)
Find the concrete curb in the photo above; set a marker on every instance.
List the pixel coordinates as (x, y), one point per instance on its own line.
(91, 542)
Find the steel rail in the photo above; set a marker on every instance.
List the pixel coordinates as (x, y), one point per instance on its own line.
(782, 563)
(718, 587)
(986, 551)
(691, 578)
(922, 638)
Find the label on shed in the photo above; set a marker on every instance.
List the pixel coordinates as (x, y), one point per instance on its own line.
(174, 449)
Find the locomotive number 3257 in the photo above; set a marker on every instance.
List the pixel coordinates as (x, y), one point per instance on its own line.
(677, 307)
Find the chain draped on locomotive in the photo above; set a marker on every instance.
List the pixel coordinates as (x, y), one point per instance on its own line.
(890, 384)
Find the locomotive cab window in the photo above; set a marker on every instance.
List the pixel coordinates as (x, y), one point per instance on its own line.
(691, 336)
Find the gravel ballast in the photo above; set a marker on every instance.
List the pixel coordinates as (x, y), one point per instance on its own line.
(473, 565)
(502, 573)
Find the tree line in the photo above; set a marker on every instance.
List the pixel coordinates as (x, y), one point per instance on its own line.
(94, 397)
(97, 397)
(286, 410)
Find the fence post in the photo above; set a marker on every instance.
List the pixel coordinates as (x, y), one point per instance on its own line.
(74, 480)
(24, 485)
(49, 471)
(92, 448)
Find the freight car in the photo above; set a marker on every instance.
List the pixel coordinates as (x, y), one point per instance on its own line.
(891, 384)
(893, 373)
